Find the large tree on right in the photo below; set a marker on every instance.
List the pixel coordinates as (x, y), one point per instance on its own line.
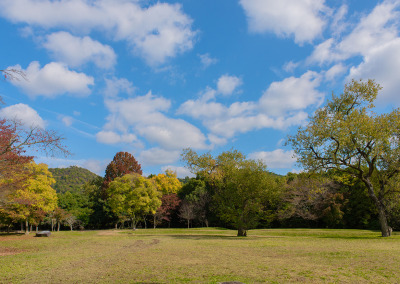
(347, 135)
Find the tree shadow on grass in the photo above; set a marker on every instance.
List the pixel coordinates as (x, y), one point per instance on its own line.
(5, 234)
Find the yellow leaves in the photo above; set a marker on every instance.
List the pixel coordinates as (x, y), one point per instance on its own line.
(37, 192)
(167, 183)
(133, 195)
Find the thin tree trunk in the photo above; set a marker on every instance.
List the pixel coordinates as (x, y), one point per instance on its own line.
(58, 226)
(52, 224)
(26, 227)
(188, 221)
(154, 221)
(37, 229)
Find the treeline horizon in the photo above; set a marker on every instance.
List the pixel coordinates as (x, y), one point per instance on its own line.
(305, 200)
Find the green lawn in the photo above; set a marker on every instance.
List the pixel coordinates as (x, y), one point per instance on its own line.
(201, 256)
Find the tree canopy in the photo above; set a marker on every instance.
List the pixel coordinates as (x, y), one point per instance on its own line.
(240, 186)
(133, 196)
(349, 136)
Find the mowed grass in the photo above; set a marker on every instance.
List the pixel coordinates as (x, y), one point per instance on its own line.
(209, 255)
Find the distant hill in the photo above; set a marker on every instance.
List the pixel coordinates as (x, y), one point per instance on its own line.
(71, 179)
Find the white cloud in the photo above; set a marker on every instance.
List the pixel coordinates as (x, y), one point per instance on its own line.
(181, 172)
(111, 137)
(206, 60)
(202, 109)
(301, 18)
(277, 159)
(373, 30)
(383, 65)
(24, 114)
(226, 84)
(67, 120)
(290, 66)
(115, 86)
(158, 156)
(144, 115)
(95, 166)
(336, 70)
(292, 94)
(76, 51)
(52, 80)
(282, 105)
(230, 126)
(155, 32)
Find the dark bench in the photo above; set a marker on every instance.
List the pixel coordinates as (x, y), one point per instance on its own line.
(43, 234)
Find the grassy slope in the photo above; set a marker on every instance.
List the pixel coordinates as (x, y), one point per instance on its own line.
(201, 255)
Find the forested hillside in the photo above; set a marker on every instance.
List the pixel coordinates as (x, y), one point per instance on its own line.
(70, 179)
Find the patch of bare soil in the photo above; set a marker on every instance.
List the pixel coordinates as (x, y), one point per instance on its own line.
(109, 233)
(9, 251)
(139, 244)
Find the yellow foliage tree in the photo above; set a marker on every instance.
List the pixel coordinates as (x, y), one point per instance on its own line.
(36, 197)
(167, 183)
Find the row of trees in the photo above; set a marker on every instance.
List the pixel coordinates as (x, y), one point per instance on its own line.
(350, 155)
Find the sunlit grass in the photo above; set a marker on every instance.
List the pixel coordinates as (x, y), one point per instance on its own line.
(206, 255)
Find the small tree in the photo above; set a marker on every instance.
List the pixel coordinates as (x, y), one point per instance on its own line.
(169, 203)
(348, 136)
(187, 212)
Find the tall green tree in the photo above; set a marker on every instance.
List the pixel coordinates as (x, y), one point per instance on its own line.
(133, 196)
(240, 186)
(349, 136)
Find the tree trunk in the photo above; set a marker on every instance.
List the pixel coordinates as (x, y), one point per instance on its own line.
(206, 221)
(116, 226)
(70, 226)
(188, 221)
(26, 227)
(154, 221)
(385, 229)
(145, 222)
(134, 224)
(58, 226)
(52, 224)
(37, 229)
(242, 232)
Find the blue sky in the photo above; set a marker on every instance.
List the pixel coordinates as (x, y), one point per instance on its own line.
(154, 77)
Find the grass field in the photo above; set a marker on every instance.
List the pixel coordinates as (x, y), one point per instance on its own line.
(201, 256)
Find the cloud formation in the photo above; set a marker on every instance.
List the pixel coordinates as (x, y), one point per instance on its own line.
(156, 32)
(303, 19)
(76, 51)
(52, 80)
(277, 159)
(24, 114)
(144, 116)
